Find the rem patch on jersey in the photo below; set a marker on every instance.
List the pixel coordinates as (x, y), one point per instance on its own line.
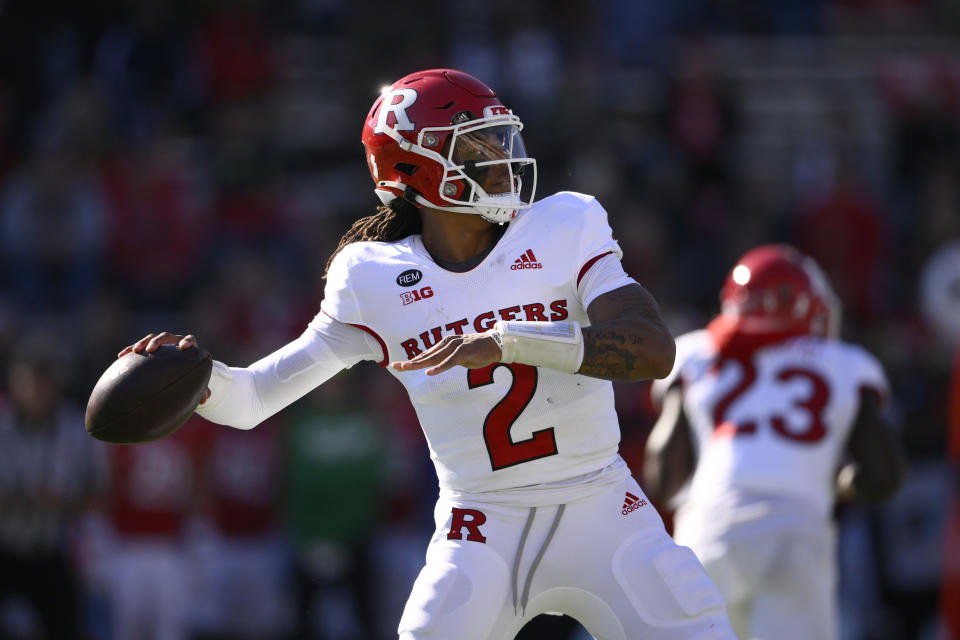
(409, 277)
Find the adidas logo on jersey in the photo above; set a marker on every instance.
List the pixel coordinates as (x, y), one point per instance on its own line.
(631, 503)
(526, 261)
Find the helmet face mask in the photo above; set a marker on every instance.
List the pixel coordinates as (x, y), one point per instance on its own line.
(424, 143)
(489, 159)
(777, 288)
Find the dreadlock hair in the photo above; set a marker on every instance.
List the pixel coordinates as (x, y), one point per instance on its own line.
(390, 223)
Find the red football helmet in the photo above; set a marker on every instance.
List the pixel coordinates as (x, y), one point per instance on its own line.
(442, 139)
(775, 287)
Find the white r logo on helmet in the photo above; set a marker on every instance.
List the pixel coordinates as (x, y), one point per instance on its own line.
(397, 108)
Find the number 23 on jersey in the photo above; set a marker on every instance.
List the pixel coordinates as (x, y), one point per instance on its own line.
(809, 403)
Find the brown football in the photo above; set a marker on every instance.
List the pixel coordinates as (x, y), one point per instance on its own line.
(143, 397)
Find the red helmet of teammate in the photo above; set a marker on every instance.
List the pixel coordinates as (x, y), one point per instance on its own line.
(775, 288)
(443, 139)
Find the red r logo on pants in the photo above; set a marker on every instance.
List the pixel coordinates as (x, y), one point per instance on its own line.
(469, 518)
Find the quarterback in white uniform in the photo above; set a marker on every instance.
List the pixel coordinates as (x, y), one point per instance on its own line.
(761, 410)
(505, 319)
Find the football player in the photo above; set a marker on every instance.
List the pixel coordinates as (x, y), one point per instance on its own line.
(767, 418)
(506, 319)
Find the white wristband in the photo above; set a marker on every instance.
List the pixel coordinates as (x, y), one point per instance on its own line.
(555, 345)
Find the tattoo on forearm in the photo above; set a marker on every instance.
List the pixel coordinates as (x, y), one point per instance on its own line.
(606, 354)
(619, 349)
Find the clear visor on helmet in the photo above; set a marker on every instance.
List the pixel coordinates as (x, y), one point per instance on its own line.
(487, 144)
(490, 159)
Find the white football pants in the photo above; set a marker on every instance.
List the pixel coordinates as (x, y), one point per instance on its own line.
(605, 560)
(777, 571)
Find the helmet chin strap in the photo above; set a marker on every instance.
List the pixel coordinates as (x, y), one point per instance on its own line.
(503, 214)
(499, 215)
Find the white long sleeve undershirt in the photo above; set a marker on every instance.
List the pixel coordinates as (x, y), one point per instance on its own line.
(243, 397)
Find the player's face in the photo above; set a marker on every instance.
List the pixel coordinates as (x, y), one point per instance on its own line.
(485, 146)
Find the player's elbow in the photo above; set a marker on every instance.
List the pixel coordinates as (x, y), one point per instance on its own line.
(244, 425)
(878, 490)
(871, 484)
(884, 485)
(655, 361)
(662, 355)
(234, 422)
(243, 416)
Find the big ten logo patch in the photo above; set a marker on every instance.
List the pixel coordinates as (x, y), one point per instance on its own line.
(469, 519)
(416, 295)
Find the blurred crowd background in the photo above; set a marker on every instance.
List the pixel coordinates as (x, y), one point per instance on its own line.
(189, 166)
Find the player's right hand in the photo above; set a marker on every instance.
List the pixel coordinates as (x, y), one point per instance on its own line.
(151, 342)
(472, 351)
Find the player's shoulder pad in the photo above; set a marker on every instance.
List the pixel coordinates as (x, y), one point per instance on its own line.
(358, 267)
(364, 253)
(365, 262)
(571, 206)
(579, 222)
(861, 364)
(856, 363)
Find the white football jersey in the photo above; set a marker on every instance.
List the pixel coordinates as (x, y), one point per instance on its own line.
(774, 424)
(506, 425)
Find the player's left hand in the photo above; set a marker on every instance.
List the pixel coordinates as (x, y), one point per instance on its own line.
(473, 351)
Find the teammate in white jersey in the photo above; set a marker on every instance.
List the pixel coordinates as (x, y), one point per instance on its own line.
(767, 418)
(505, 319)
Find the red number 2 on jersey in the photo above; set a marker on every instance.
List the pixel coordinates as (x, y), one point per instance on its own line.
(812, 405)
(503, 451)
